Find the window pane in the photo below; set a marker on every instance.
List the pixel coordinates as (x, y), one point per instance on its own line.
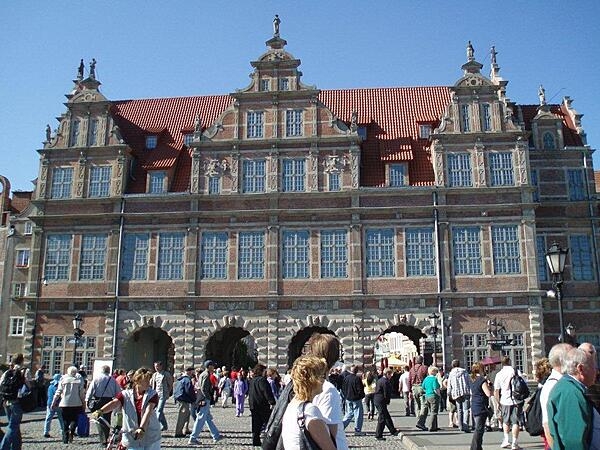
(214, 185)
(135, 257)
(62, 178)
(170, 256)
(501, 169)
(380, 253)
(214, 255)
(420, 252)
(465, 117)
(459, 170)
(251, 259)
(486, 117)
(505, 244)
(535, 184)
(93, 253)
(293, 175)
(293, 122)
(93, 132)
(100, 181)
(253, 175)
(58, 257)
(548, 141)
(157, 182)
(74, 134)
(254, 125)
(333, 179)
(467, 250)
(397, 175)
(540, 242)
(581, 258)
(295, 254)
(334, 254)
(576, 185)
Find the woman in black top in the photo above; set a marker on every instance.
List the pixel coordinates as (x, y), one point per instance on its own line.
(480, 393)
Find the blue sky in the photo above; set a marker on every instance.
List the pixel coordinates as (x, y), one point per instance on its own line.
(148, 48)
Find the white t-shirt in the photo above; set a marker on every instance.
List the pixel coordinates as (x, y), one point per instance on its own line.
(329, 403)
(502, 383)
(555, 375)
(404, 382)
(290, 431)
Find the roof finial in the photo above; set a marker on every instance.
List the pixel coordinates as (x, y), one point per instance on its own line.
(542, 95)
(470, 52)
(276, 22)
(93, 69)
(493, 53)
(80, 70)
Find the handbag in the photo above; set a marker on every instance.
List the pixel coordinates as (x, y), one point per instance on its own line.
(306, 440)
(95, 403)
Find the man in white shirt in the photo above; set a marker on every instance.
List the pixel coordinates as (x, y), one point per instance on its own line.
(459, 390)
(162, 383)
(556, 358)
(511, 409)
(404, 383)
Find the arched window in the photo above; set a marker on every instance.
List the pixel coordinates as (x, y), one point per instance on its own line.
(548, 141)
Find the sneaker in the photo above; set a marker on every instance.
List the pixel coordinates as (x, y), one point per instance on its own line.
(217, 439)
(193, 441)
(47, 435)
(515, 447)
(505, 444)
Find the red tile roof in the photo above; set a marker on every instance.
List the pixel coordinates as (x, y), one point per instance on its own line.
(391, 117)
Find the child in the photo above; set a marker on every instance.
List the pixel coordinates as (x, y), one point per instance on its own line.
(240, 389)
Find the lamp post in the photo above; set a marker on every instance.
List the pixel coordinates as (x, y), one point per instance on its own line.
(77, 334)
(556, 257)
(433, 320)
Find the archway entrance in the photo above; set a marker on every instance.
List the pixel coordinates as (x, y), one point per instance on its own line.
(398, 343)
(147, 345)
(298, 342)
(232, 347)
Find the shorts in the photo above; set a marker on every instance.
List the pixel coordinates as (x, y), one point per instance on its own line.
(511, 414)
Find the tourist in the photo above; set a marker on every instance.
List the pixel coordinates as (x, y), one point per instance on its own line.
(70, 394)
(185, 395)
(162, 383)
(240, 390)
(404, 385)
(308, 375)
(459, 389)
(512, 410)
(205, 394)
(353, 391)
(14, 412)
(416, 376)
(141, 427)
(369, 385)
(430, 401)
(101, 391)
(570, 413)
(260, 401)
(382, 398)
(225, 386)
(480, 394)
(274, 381)
(51, 407)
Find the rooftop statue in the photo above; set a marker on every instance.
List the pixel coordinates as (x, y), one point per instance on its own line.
(276, 22)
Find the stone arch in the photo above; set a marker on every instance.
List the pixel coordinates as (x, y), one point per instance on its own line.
(414, 327)
(298, 341)
(226, 347)
(148, 344)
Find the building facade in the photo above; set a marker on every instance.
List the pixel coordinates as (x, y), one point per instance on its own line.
(178, 226)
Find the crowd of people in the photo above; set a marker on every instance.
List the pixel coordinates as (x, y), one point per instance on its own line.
(318, 400)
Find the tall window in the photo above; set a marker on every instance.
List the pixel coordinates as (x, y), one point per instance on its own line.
(486, 117)
(467, 250)
(420, 252)
(459, 170)
(333, 181)
(17, 326)
(548, 141)
(334, 254)
(74, 134)
(171, 248)
(284, 84)
(293, 175)
(214, 185)
(214, 255)
(516, 351)
(135, 256)
(505, 245)
(465, 117)
(93, 132)
(20, 290)
(100, 181)
(255, 124)
(293, 122)
(536, 185)
(251, 255)
(576, 184)
(93, 254)
(582, 264)
(62, 179)
(23, 257)
(253, 175)
(540, 244)
(380, 253)
(28, 228)
(58, 257)
(398, 175)
(295, 254)
(53, 353)
(475, 347)
(501, 169)
(265, 85)
(156, 184)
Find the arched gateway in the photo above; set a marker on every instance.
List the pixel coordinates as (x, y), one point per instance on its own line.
(232, 347)
(299, 341)
(145, 346)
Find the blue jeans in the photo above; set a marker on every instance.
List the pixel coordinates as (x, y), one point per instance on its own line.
(354, 411)
(160, 412)
(49, 415)
(12, 438)
(204, 416)
(463, 404)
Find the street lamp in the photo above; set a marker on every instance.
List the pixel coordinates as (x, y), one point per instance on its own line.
(433, 320)
(77, 334)
(556, 257)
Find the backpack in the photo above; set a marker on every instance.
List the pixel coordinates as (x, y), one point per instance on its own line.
(519, 390)
(533, 414)
(12, 381)
(180, 394)
(274, 425)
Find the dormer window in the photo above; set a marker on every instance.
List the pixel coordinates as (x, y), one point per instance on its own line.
(74, 134)
(424, 131)
(265, 85)
(284, 84)
(548, 141)
(93, 133)
(397, 175)
(156, 182)
(188, 139)
(28, 228)
(151, 141)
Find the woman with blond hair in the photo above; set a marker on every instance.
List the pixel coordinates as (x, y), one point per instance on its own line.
(303, 420)
(141, 428)
(70, 395)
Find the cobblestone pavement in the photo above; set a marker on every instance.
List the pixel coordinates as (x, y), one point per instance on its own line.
(236, 433)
